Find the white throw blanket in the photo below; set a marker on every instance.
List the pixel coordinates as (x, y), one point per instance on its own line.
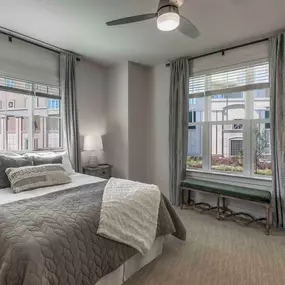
(129, 213)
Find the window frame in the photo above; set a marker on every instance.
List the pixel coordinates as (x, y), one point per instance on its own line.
(248, 136)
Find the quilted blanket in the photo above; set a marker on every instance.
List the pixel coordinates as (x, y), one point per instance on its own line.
(129, 213)
(52, 239)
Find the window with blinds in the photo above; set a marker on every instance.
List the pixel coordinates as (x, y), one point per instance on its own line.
(231, 134)
(253, 77)
(30, 102)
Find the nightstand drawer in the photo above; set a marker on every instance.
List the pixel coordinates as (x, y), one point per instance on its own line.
(101, 171)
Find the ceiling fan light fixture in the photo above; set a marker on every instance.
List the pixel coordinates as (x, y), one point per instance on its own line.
(168, 19)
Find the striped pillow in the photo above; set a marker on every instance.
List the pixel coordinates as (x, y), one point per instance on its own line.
(31, 177)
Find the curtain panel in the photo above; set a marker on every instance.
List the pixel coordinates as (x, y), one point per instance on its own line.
(178, 126)
(70, 117)
(277, 111)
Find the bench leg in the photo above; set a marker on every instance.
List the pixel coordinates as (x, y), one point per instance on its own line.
(182, 197)
(218, 207)
(224, 204)
(189, 197)
(267, 219)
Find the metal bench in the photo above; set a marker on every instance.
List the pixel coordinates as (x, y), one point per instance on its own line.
(225, 191)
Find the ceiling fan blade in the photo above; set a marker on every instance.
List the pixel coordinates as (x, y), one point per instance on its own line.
(187, 28)
(133, 19)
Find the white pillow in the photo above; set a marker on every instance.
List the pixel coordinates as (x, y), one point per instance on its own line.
(67, 164)
(65, 159)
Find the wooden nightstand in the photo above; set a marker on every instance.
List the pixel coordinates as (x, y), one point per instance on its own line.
(102, 171)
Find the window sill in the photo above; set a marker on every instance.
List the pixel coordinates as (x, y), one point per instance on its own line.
(262, 183)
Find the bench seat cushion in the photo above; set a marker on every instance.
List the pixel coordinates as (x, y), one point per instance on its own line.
(240, 192)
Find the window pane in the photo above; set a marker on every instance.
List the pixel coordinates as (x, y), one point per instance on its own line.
(195, 138)
(227, 148)
(261, 104)
(262, 153)
(19, 112)
(196, 110)
(14, 121)
(24, 134)
(227, 107)
(47, 124)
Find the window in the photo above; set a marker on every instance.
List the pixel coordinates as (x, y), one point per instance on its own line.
(237, 126)
(192, 119)
(10, 83)
(25, 119)
(28, 86)
(233, 126)
(53, 104)
(236, 147)
(192, 101)
(11, 104)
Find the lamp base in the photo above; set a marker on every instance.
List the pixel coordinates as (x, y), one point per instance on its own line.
(93, 161)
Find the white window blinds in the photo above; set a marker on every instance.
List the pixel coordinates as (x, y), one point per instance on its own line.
(236, 58)
(21, 60)
(246, 78)
(25, 87)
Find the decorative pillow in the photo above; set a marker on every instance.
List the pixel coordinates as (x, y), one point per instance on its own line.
(39, 160)
(31, 177)
(7, 162)
(65, 159)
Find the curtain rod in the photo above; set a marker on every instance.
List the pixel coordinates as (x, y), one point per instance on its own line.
(30, 40)
(222, 51)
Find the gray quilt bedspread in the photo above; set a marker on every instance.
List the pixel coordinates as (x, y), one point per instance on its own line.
(52, 240)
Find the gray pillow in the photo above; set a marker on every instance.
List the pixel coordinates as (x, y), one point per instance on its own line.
(39, 160)
(7, 162)
(32, 177)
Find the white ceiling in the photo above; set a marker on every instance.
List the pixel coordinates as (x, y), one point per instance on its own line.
(79, 25)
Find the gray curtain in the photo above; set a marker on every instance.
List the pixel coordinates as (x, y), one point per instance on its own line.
(70, 118)
(178, 126)
(278, 125)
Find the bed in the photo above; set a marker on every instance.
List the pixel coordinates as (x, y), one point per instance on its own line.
(128, 261)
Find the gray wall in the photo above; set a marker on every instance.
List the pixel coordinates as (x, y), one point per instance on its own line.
(127, 103)
(117, 113)
(157, 129)
(91, 84)
(139, 93)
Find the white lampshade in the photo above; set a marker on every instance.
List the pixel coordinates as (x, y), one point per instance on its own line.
(168, 21)
(93, 143)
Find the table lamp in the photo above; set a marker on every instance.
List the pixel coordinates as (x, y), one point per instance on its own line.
(93, 143)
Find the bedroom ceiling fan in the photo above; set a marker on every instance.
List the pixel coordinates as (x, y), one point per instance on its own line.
(168, 19)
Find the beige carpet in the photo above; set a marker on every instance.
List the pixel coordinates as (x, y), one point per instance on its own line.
(217, 253)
